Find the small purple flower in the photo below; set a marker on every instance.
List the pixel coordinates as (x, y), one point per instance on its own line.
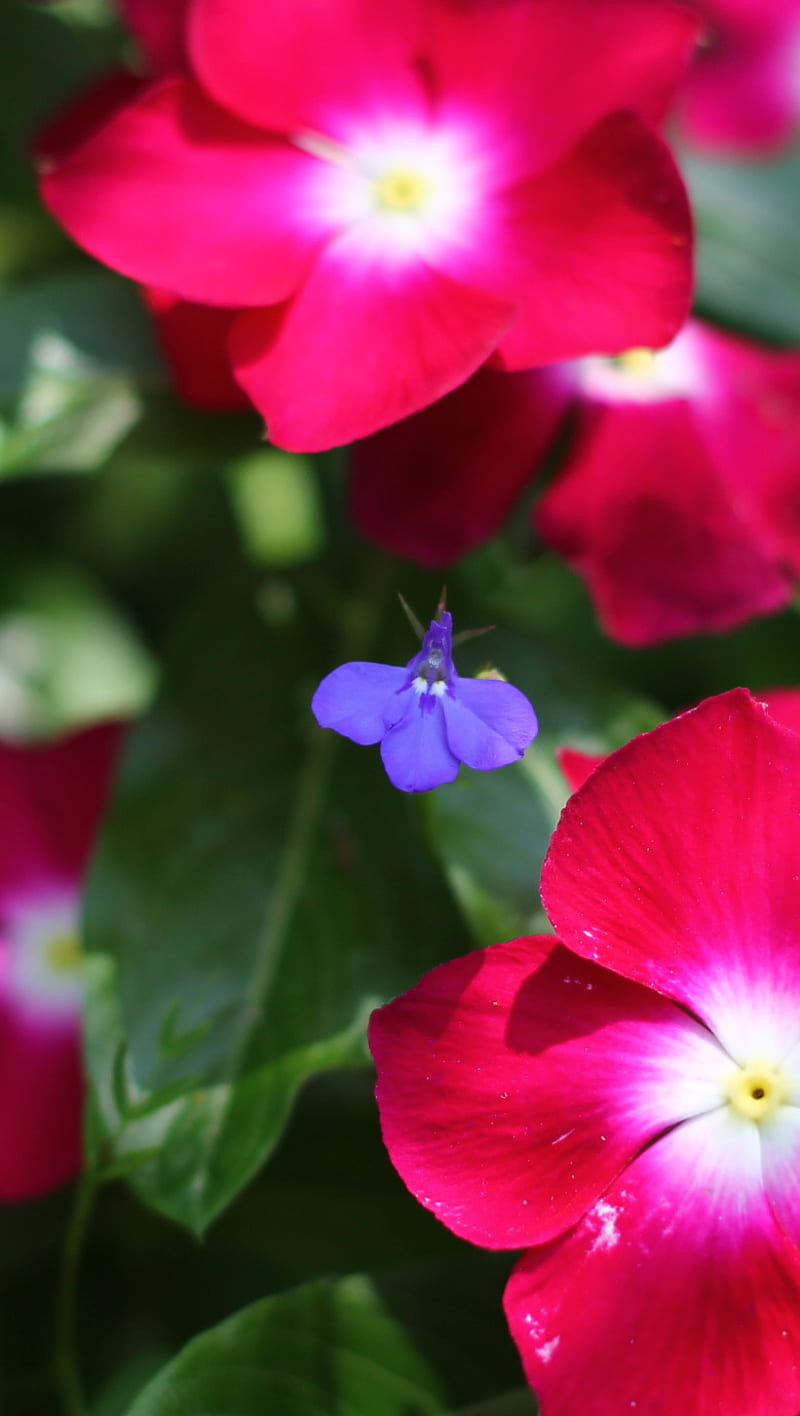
(426, 718)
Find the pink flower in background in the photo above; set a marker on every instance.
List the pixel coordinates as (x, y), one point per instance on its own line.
(680, 498)
(578, 765)
(743, 91)
(783, 704)
(390, 195)
(194, 341)
(436, 485)
(624, 1101)
(51, 800)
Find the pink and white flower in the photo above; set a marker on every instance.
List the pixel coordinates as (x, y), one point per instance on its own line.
(624, 1101)
(390, 195)
(51, 800)
(679, 501)
(679, 495)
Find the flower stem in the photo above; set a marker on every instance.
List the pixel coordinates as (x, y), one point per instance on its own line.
(67, 1368)
(309, 801)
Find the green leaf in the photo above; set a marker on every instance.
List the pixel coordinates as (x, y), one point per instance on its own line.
(259, 888)
(116, 1397)
(492, 829)
(66, 388)
(326, 1349)
(274, 498)
(43, 63)
(748, 219)
(67, 655)
(95, 319)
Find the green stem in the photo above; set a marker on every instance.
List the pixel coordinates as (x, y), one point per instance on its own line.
(67, 1367)
(309, 802)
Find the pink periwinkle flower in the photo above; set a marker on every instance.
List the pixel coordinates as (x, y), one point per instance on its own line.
(677, 499)
(51, 800)
(742, 94)
(623, 1101)
(390, 194)
(437, 484)
(427, 718)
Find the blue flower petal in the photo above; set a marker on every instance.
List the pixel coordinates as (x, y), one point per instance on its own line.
(488, 723)
(354, 698)
(415, 752)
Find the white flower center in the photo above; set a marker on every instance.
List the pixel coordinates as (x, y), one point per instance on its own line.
(44, 959)
(758, 1090)
(649, 375)
(400, 188)
(403, 189)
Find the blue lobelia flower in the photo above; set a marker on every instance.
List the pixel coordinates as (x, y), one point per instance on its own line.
(427, 719)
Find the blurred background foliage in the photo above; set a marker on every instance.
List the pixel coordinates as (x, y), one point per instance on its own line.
(260, 886)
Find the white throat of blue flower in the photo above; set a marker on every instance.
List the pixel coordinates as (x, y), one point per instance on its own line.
(432, 669)
(424, 685)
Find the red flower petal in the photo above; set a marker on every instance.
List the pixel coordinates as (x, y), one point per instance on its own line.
(687, 880)
(439, 483)
(551, 70)
(51, 800)
(80, 118)
(742, 93)
(41, 1104)
(677, 1293)
(177, 194)
(362, 344)
(780, 1154)
(516, 1082)
(577, 766)
(304, 64)
(643, 510)
(598, 250)
(194, 339)
(753, 428)
(782, 704)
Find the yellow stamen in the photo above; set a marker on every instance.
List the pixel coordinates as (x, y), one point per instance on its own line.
(402, 190)
(757, 1090)
(64, 953)
(637, 361)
